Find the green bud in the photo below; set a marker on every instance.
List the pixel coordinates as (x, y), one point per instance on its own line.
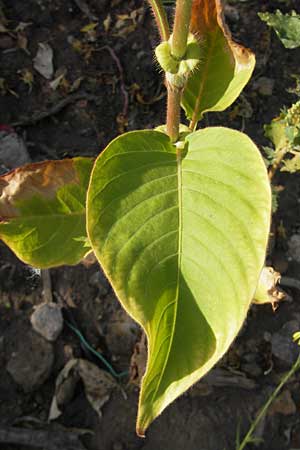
(176, 71)
(192, 57)
(165, 59)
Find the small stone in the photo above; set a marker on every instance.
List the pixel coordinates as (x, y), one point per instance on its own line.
(294, 247)
(31, 364)
(264, 86)
(47, 320)
(13, 151)
(283, 347)
(99, 281)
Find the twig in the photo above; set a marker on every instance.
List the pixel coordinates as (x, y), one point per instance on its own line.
(221, 377)
(121, 73)
(85, 9)
(47, 286)
(290, 282)
(48, 440)
(38, 116)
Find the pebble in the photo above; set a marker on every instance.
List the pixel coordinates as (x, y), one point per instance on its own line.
(294, 247)
(47, 320)
(13, 151)
(283, 347)
(31, 364)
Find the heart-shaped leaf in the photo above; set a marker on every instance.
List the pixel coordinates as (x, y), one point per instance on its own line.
(181, 235)
(42, 211)
(224, 69)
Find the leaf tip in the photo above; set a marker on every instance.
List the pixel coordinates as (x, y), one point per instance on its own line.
(140, 432)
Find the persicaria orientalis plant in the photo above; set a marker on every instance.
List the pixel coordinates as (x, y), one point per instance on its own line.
(178, 218)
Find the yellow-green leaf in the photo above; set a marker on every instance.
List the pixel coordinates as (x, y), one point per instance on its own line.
(42, 211)
(181, 235)
(225, 67)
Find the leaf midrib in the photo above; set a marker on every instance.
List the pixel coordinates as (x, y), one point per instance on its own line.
(179, 178)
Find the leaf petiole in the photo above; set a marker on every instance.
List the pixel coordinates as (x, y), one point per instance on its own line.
(160, 18)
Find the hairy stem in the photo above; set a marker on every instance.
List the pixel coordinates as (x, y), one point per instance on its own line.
(181, 27)
(264, 409)
(160, 18)
(178, 49)
(173, 112)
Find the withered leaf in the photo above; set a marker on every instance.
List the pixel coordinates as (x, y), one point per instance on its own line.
(225, 67)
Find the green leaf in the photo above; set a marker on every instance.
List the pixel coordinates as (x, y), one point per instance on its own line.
(284, 130)
(286, 26)
(276, 132)
(42, 211)
(224, 69)
(181, 235)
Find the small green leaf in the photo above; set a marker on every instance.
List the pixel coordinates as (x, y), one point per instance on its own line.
(276, 132)
(42, 211)
(284, 132)
(224, 69)
(286, 26)
(181, 235)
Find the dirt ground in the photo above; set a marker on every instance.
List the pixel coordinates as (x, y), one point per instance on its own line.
(106, 82)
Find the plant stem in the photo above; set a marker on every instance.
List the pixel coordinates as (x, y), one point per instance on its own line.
(160, 18)
(47, 285)
(273, 169)
(181, 27)
(173, 112)
(178, 49)
(264, 409)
